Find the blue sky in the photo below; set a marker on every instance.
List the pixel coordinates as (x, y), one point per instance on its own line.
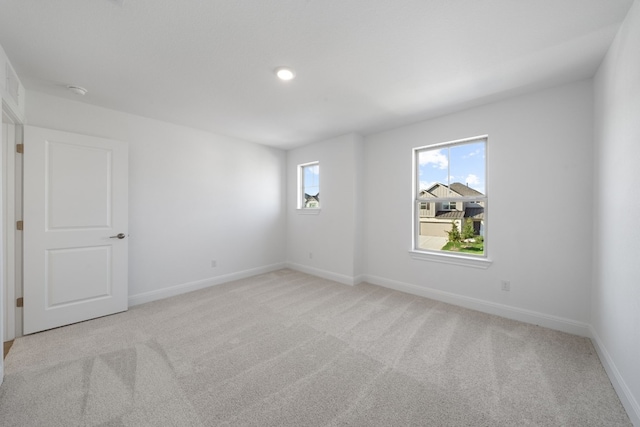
(463, 163)
(311, 179)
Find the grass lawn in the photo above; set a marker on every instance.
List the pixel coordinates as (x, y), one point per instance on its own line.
(476, 248)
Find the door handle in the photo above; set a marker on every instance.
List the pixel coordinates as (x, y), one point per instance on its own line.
(118, 236)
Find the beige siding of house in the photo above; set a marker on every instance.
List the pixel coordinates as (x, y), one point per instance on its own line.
(441, 191)
(438, 228)
(430, 212)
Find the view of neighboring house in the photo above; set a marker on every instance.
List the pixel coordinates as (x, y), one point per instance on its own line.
(436, 217)
(311, 201)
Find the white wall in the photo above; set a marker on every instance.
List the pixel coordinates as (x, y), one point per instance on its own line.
(540, 192)
(333, 236)
(11, 90)
(616, 291)
(2, 253)
(193, 197)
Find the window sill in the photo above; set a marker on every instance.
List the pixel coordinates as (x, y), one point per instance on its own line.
(308, 211)
(465, 261)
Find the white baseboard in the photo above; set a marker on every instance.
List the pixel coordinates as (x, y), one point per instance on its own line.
(624, 393)
(200, 284)
(325, 274)
(523, 315)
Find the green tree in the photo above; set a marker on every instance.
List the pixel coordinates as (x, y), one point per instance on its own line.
(467, 230)
(454, 234)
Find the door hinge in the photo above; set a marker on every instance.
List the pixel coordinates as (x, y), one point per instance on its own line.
(20, 302)
(20, 225)
(20, 148)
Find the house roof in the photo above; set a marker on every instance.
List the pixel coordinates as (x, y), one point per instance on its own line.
(430, 189)
(457, 187)
(472, 213)
(465, 190)
(449, 215)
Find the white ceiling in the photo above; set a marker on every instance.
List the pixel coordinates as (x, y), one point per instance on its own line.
(362, 65)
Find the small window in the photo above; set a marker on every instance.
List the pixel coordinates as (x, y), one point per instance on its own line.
(309, 186)
(452, 178)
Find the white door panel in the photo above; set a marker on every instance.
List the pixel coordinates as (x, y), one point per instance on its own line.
(78, 186)
(75, 202)
(78, 274)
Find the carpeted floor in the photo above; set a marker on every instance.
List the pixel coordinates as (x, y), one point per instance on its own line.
(289, 349)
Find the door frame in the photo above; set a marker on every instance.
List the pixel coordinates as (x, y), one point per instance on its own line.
(7, 228)
(11, 206)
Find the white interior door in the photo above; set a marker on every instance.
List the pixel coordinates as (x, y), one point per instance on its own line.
(75, 228)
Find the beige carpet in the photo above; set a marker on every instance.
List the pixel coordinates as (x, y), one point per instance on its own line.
(289, 349)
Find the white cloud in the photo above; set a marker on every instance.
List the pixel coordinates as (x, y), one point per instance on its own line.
(474, 153)
(472, 180)
(435, 157)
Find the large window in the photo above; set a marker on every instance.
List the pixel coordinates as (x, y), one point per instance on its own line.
(309, 186)
(450, 200)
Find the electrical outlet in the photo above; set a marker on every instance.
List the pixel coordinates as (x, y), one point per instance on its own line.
(214, 263)
(506, 285)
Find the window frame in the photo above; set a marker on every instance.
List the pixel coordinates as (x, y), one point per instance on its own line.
(301, 189)
(469, 260)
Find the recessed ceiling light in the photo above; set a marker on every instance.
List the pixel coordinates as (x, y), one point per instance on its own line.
(77, 90)
(285, 73)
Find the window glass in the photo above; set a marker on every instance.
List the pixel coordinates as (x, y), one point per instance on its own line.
(451, 177)
(309, 186)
